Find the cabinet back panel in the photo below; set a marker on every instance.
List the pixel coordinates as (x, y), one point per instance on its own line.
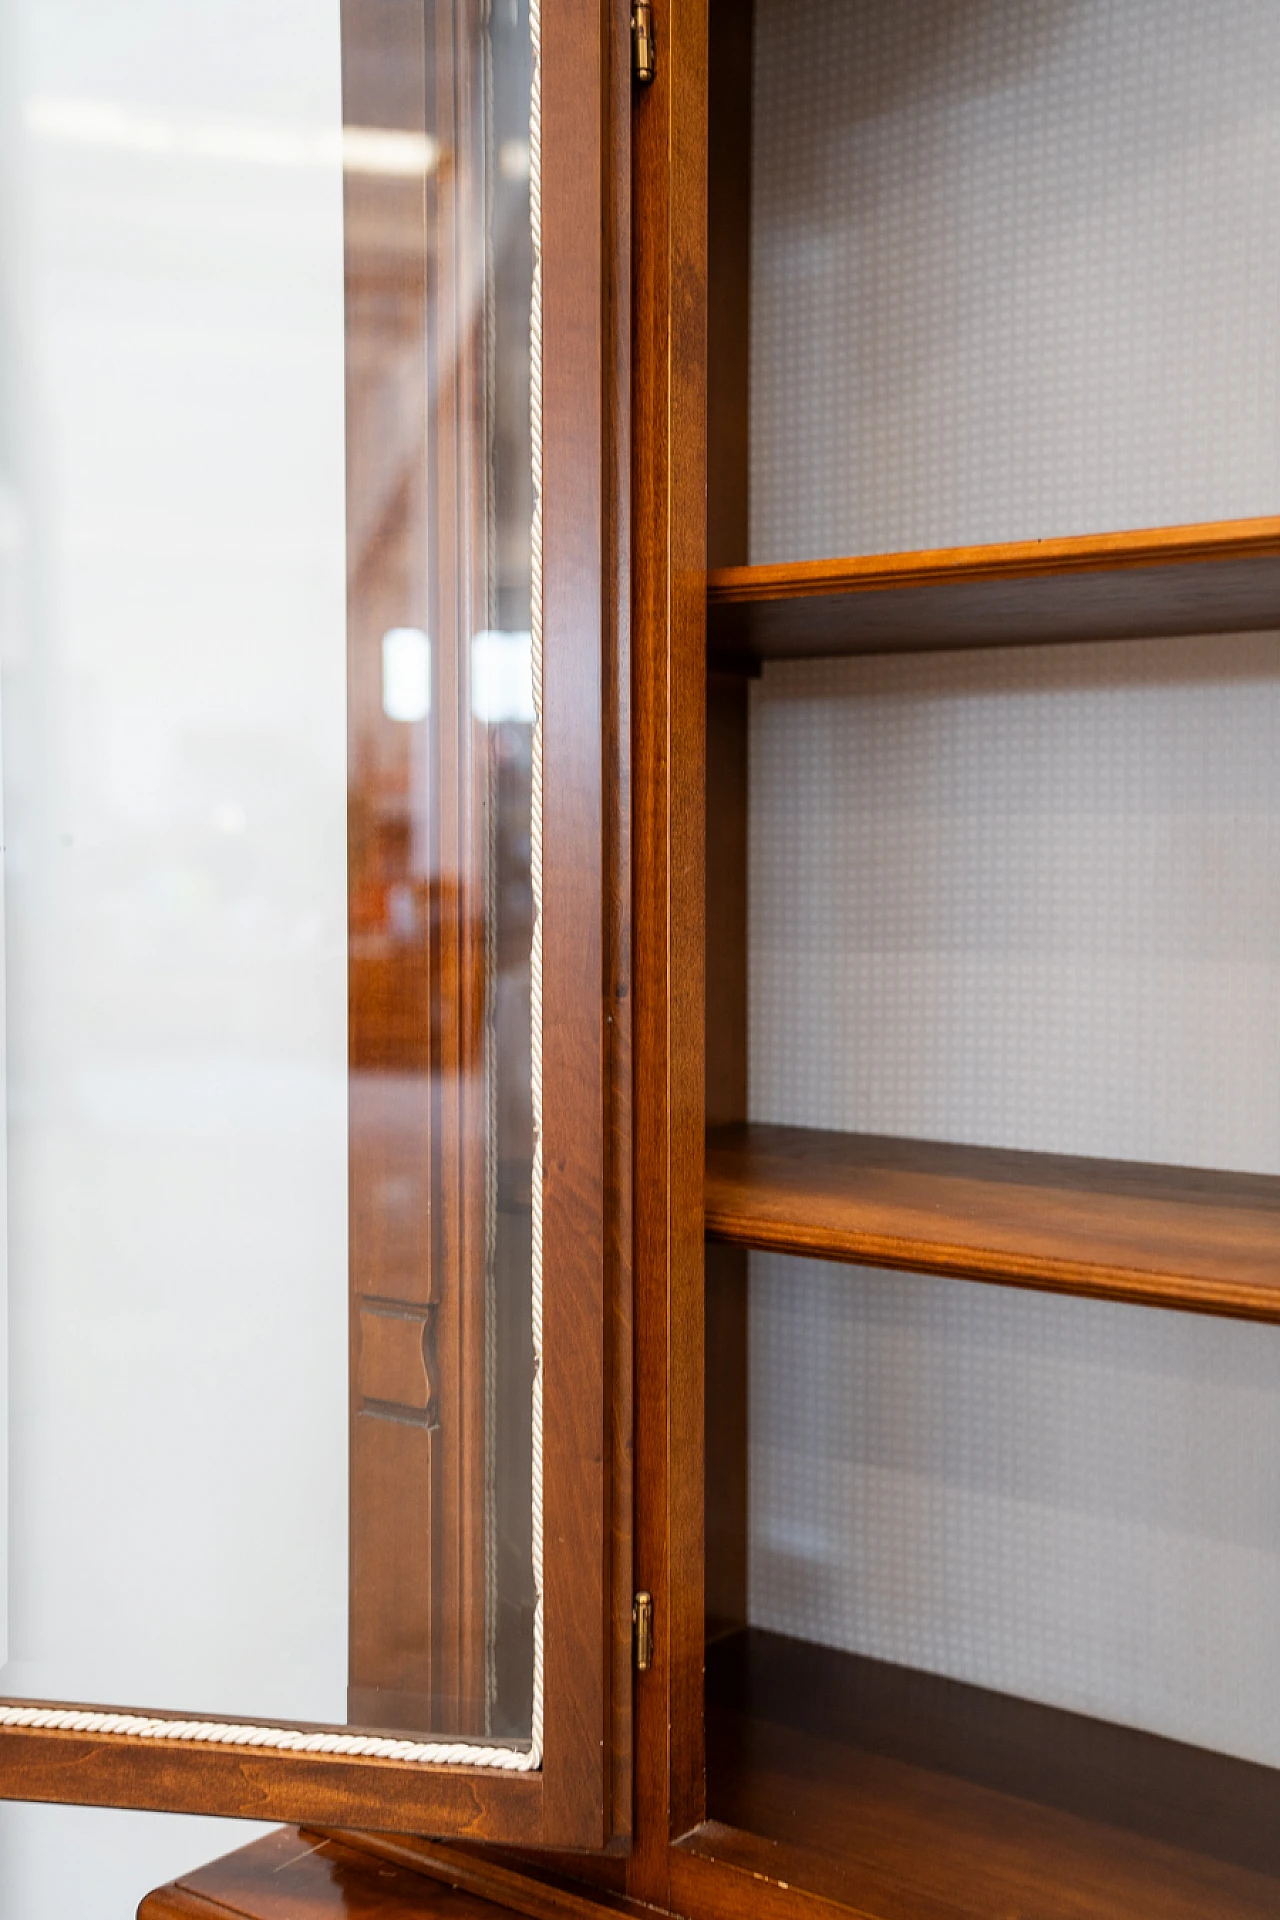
(1071, 1501)
(1025, 898)
(1015, 270)
(1014, 274)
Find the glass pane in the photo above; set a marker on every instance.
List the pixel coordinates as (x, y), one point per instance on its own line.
(267, 695)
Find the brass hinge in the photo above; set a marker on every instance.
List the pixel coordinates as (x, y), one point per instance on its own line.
(642, 59)
(642, 1628)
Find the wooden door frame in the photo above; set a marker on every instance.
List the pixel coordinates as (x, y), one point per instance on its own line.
(574, 1800)
(669, 505)
(667, 464)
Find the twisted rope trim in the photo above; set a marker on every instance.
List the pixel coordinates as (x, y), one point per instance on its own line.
(222, 1733)
(536, 849)
(491, 1631)
(134, 1726)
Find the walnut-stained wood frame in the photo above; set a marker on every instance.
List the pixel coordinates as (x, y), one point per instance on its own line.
(579, 1796)
(672, 1031)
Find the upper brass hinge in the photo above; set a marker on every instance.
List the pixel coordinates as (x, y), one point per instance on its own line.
(642, 59)
(642, 1629)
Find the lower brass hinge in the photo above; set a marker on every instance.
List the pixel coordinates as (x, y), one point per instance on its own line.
(642, 58)
(642, 1628)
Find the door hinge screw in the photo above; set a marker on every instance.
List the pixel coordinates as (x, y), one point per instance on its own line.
(642, 1626)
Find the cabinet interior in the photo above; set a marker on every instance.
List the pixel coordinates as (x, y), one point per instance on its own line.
(992, 957)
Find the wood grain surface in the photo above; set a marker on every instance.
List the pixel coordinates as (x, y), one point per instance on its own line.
(291, 1875)
(545, 1886)
(579, 525)
(900, 1793)
(668, 613)
(1162, 1236)
(191, 1776)
(1219, 577)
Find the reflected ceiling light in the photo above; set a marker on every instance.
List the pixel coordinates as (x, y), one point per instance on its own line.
(406, 674)
(513, 159)
(391, 152)
(502, 677)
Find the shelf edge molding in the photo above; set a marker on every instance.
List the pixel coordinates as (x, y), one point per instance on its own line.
(1210, 577)
(1183, 1238)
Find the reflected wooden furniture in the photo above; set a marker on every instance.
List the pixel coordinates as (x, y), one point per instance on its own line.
(415, 406)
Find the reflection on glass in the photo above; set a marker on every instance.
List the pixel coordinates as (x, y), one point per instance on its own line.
(439, 273)
(267, 893)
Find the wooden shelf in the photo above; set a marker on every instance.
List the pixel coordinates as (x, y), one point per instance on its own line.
(897, 1793)
(1162, 1236)
(1222, 577)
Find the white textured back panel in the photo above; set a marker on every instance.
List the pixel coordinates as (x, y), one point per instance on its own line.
(1016, 273)
(1023, 898)
(1072, 1501)
(1015, 269)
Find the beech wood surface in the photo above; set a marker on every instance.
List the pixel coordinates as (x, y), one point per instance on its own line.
(1162, 1236)
(1217, 577)
(896, 1793)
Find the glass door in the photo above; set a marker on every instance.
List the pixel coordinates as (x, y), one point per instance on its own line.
(444, 1627)
(303, 650)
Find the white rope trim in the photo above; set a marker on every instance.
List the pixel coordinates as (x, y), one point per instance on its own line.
(535, 846)
(134, 1726)
(221, 1733)
(491, 1630)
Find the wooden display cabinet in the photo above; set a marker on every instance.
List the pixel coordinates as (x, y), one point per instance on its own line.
(740, 1772)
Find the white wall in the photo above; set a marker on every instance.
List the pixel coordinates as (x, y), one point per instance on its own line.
(95, 1863)
(1015, 273)
(172, 681)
